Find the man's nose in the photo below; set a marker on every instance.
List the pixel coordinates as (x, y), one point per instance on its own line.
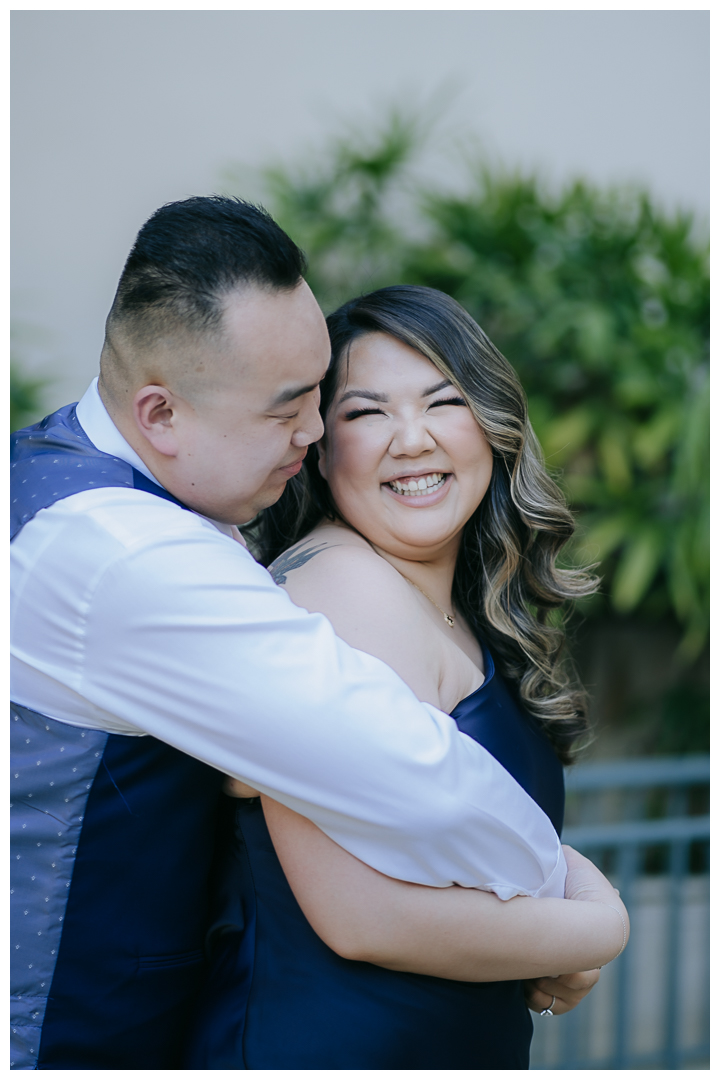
(310, 428)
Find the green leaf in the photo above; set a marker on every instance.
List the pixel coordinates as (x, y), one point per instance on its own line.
(693, 452)
(653, 440)
(693, 641)
(636, 569)
(615, 460)
(595, 333)
(565, 435)
(26, 394)
(599, 540)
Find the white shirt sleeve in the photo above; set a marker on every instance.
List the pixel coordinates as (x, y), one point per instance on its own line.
(135, 616)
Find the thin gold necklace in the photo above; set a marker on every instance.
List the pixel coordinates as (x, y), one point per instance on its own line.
(449, 619)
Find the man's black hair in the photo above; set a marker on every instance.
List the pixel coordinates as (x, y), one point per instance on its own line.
(190, 254)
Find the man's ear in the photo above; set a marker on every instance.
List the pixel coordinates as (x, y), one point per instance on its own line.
(322, 457)
(155, 412)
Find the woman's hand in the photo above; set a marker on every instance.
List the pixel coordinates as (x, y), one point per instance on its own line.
(568, 991)
(584, 882)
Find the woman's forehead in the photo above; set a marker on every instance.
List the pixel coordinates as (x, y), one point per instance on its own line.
(386, 360)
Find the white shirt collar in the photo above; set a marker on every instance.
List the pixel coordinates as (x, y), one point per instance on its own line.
(102, 433)
(97, 424)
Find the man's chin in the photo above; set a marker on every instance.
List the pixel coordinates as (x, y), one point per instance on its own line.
(267, 497)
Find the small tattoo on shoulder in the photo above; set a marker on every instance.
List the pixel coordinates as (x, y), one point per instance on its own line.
(294, 558)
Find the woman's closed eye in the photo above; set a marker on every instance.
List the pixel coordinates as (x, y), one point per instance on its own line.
(353, 414)
(448, 401)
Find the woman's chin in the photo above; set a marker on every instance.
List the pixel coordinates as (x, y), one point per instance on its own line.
(414, 541)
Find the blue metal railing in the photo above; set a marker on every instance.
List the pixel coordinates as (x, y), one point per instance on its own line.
(645, 823)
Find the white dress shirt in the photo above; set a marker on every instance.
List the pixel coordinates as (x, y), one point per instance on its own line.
(135, 616)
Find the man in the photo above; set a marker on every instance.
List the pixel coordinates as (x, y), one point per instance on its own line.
(151, 654)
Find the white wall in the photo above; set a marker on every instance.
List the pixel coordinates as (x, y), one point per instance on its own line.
(116, 112)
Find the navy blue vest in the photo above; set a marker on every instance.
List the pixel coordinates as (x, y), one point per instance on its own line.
(112, 841)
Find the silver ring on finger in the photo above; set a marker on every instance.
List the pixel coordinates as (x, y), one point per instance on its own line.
(549, 1010)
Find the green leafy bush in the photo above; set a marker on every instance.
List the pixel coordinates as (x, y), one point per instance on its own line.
(600, 300)
(26, 396)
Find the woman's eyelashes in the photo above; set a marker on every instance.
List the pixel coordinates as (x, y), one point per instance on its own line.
(448, 401)
(353, 414)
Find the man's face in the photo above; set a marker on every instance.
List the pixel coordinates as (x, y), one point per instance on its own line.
(247, 429)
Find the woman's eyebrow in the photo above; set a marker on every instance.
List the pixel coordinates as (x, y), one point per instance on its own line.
(434, 389)
(374, 395)
(371, 395)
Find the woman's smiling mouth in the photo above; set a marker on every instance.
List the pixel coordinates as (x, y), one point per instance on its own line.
(421, 490)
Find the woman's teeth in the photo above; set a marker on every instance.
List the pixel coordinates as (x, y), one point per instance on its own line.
(423, 485)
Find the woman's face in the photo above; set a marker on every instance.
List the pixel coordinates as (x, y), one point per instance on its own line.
(406, 461)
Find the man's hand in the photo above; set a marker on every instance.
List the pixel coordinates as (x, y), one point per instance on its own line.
(568, 991)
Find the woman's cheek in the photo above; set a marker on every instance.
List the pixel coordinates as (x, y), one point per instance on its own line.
(354, 459)
(349, 455)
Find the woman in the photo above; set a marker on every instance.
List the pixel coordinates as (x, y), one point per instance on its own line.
(427, 530)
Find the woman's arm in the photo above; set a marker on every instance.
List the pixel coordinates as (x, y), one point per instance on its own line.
(454, 933)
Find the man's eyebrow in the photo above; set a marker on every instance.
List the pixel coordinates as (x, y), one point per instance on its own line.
(291, 394)
(371, 395)
(438, 386)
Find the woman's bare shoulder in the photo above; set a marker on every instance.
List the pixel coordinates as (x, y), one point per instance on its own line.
(336, 572)
(329, 556)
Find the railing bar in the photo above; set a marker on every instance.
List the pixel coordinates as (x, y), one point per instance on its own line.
(628, 871)
(678, 802)
(678, 864)
(655, 831)
(706, 995)
(653, 1059)
(586, 1025)
(648, 772)
(623, 791)
(572, 1036)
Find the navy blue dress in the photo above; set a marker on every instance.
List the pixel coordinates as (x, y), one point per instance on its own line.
(278, 998)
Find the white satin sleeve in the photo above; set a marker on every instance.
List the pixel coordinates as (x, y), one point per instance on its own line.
(135, 616)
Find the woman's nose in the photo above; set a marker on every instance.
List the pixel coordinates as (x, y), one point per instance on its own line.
(411, 438)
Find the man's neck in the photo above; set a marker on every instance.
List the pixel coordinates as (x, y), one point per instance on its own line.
(104, 432)
(105, 435)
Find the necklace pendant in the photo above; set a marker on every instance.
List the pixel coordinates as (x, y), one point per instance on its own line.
(449, 620)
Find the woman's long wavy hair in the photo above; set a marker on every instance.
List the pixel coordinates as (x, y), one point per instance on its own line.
(506, 580)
